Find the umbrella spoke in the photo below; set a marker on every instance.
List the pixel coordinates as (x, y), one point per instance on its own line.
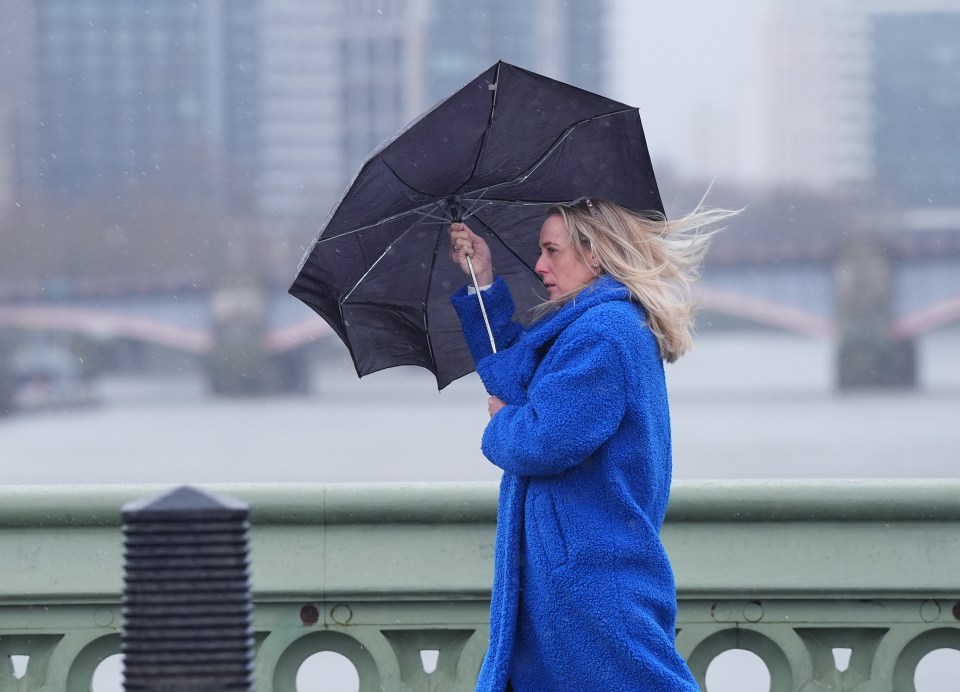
(381, 222)
(504, 243)
(548, 153)
(426, 312)
(523, 203)
(377, 261)
(442, 219)
(470, 210)
(474, 210)
(405, 185)
(483, 139)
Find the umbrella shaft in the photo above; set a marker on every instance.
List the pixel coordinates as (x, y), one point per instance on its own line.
(483, 310)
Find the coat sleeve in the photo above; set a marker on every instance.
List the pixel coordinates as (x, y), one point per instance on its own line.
(499, 306)
(571, 410)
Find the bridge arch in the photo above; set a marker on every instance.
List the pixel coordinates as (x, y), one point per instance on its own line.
(767, 312)
(936, 316)
(103, 324)
(296, 335)
(98, 323)
(106, 324)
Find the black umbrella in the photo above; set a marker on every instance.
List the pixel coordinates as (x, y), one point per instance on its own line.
(497, 153)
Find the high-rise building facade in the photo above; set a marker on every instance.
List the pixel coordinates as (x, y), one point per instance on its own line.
(915, 101)
(816, 117)
(15, 78)
(300, 128)
(17, 97)
(364, 69)
(557, 38)
(866, 92)
(124, 91)
(285, 98)
(381, 64)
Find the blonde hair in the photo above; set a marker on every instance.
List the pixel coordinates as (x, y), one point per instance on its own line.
(657, 259)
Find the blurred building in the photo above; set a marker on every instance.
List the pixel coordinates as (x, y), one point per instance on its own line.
(300, 129)
(380, 61)
(397, 58)
(121, 93)
(558, 38)
(17, 82)
(867, 92)
(269, 106)
(916, 104)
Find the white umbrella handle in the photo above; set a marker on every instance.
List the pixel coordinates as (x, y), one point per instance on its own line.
(483, 310)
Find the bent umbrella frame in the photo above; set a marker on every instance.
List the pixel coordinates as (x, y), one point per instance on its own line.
(497, 154)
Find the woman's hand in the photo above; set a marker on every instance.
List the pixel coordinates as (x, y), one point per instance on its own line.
(493, 405)
(465, 243)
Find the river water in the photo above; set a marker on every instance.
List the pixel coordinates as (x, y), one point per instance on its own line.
(745, 404)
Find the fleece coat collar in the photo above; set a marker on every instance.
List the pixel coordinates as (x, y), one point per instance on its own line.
(508, 373)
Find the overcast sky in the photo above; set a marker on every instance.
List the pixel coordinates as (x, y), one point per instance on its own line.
(692, 68)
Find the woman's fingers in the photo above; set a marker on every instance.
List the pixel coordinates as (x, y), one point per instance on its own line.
(465, 243)
(460, 237)
(494, 405)
(461, 243)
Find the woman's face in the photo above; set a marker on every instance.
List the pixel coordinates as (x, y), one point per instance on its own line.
(559, 266)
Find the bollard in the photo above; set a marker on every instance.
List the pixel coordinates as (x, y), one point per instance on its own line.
(186, 595)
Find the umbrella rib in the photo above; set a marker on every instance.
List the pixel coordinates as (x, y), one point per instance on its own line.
(526, 202)
(505, 244)
(402, 181)
(383, 254)
(486, 130)
(496, 92)
(426, 313)
(388, 219)
(470, 211)
(553, 147)
(483, 191)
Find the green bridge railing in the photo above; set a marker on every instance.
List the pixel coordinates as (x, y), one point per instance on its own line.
(792, 571)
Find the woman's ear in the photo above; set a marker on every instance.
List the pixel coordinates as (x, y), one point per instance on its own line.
(591, 260)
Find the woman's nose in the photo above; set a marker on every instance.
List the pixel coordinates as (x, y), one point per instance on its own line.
(539, 267)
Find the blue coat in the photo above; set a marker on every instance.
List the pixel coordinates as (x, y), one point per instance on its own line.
(583, 593)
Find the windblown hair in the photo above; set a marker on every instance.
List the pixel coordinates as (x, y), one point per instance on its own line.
(657, 259)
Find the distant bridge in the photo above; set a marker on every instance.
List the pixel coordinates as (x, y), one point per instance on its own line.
(933, 317)
(114, 324)
(798, 297)
(188, 328)
(106, 324)
(173, 318)
(766, 312)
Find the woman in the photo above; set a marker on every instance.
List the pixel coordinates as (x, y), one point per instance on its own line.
(583, 595)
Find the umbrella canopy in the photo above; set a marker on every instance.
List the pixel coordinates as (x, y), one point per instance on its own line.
(497, 153)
